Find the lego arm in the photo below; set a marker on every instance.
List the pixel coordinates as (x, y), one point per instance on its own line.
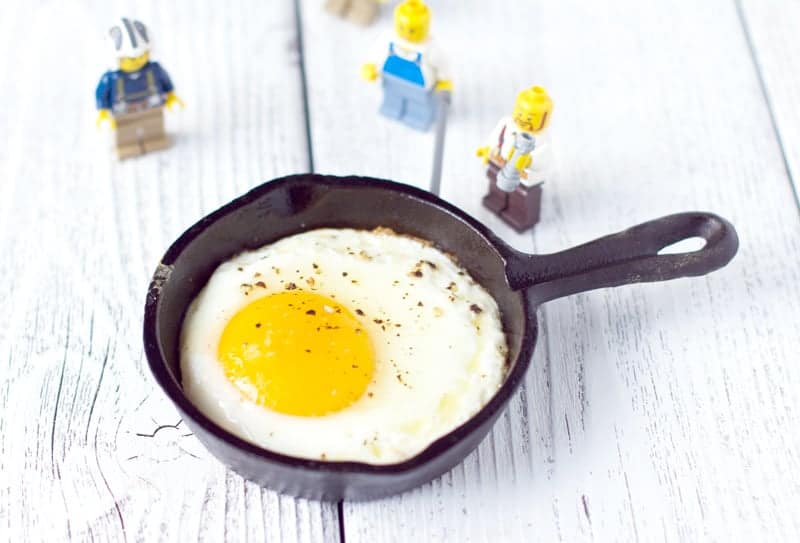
(540, 164)
(443, 81)
(103, 97)
(166, 87)
(485, 150)
(369, 70)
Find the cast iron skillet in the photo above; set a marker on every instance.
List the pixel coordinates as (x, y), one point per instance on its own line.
(519, 282)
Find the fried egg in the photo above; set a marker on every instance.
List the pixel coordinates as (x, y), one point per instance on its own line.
(342, 345)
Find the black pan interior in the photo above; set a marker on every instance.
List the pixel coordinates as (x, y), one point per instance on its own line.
(300, 203)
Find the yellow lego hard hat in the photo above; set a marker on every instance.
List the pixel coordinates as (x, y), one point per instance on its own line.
(532, 109)
(412, 19)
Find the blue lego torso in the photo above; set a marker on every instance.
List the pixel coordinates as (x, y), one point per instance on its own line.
(119, 91)
(402, 68)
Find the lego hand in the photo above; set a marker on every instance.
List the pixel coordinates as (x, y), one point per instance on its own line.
(369, 72)
(443, 85)
(173, 99)
(483, 152)
(105, 115)
(523, 161)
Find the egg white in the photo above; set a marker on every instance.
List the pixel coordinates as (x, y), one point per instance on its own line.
(444, 361)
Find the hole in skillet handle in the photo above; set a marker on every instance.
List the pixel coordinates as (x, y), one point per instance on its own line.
(688, 245)
(630, 256)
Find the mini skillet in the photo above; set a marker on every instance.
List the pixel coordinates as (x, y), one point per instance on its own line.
(519, 283)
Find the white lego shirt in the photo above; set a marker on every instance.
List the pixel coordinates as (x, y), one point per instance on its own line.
(432, 63)
(541, 156)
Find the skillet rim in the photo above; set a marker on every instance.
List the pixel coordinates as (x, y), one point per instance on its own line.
(436, 449)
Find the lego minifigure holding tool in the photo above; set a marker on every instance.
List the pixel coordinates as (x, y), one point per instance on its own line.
(517, 156)
(412, 71)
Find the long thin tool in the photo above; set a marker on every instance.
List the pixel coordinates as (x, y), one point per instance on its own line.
(438, 150)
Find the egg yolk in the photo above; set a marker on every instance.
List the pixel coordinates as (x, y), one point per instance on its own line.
(297, 353)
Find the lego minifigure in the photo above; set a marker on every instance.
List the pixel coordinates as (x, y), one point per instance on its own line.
(132, 98)
(517, 156)
(412, 71)
(362, 12)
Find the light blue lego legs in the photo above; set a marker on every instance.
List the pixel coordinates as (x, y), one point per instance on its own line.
(421, 114)
(408, 103)
(393, 103)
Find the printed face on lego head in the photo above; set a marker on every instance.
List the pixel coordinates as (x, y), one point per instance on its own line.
(411, 21)
(532, 110)
(529, 122)
(132, 64)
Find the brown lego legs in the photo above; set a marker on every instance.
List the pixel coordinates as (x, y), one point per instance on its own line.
(496, 199)
(361, 12)
(524, 205)
(337, 7)
(520, 208)
(140, 132)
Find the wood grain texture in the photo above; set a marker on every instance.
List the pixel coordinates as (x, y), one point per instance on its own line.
(347, 135)
(90, 448)
(664, 411)
(772, 30)
(651, 412)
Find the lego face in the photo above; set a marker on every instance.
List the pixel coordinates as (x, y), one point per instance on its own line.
(532, 109)
(411, 21)
(132, 64)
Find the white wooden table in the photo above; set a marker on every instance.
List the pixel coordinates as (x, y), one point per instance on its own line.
(655, 412)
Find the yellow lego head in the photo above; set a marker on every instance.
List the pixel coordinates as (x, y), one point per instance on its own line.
(532, 109)
(132, 64)
(411, 20)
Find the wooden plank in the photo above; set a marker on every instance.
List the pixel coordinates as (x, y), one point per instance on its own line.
(520, 447)
(348, 135)
(89, 446)
(651, 412)
(772, 30)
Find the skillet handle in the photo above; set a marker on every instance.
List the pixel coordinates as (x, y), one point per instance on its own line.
(630, 256)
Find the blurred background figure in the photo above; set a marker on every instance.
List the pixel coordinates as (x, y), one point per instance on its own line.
(412, 69)
(362, 12)
(132, 97)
